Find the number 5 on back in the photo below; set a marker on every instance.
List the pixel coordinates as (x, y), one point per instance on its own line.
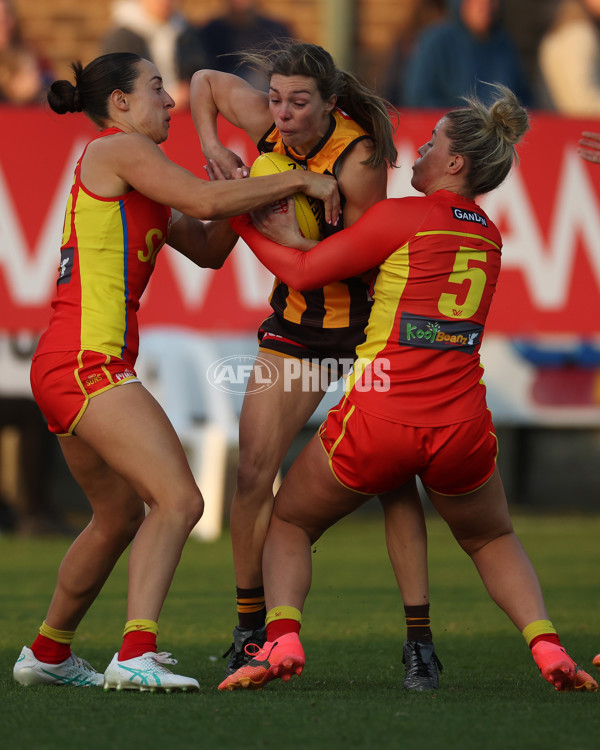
(448, 304)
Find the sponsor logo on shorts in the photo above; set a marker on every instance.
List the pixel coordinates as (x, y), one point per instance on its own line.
(445, 335)
(93, 379)
(125, 374)
(462, 215)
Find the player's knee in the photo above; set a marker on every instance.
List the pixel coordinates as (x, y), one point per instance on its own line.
(190, 507)
(120, 522)
(290, 516)
(182, 505)
(196, 510)
(254, 476)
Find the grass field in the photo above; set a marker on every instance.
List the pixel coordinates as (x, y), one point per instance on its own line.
(350, 695)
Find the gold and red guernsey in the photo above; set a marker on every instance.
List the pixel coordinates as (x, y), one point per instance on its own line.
(438, 260)
(108, 252)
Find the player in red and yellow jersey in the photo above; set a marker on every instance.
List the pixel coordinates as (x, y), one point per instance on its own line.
(328, 122)
(415, 403)
(98, 295)
(100, 284)
(116, 439)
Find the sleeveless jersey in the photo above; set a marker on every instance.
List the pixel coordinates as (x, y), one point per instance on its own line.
(343, 303)
(108, 252)
(439, 260)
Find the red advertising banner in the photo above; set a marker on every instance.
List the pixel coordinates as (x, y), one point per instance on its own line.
(548, 212)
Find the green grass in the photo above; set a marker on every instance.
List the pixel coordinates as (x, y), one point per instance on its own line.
(350, 695)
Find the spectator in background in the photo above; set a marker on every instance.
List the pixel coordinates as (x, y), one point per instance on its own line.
(569, 59)
(421, 13)
(156, 31)
(240, 27)
(24, 75)
(464, 55)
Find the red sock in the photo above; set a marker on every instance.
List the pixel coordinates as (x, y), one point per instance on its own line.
(136, 643)
(548, 637)
(277, 628)
(49, 651)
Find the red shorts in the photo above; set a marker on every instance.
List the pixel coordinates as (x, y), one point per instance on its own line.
(372, 455)
(63, 383)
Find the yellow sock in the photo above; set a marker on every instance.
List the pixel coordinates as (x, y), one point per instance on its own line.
(283, 613)
(538, 627)
(60, 636)
(149, 626)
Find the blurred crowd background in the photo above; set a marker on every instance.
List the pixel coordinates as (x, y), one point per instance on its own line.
(387, 42)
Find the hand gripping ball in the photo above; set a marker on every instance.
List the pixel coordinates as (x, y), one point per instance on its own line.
(309, 211)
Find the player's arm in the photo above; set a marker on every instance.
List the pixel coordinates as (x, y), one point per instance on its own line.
(347, 253)
(361, 185)
(213, 92)
(133, 160)
(205, 244)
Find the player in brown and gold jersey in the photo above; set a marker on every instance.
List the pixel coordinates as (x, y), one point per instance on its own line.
(327, 121)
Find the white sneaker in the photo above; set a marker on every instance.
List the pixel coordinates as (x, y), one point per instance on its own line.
(73, 671)
(146, 673)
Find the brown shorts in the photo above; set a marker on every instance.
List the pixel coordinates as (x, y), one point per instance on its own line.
(333, 347)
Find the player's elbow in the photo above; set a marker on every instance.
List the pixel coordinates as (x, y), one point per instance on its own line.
(302, 285)
(198, 78)
(206, 206)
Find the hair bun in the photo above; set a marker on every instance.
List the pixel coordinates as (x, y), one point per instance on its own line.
(61, 97)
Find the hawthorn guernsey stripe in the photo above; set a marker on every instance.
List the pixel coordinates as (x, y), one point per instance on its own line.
(342, 303)
(108, 253)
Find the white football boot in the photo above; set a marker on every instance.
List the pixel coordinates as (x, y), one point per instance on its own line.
(146, 673)
(73, 671)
